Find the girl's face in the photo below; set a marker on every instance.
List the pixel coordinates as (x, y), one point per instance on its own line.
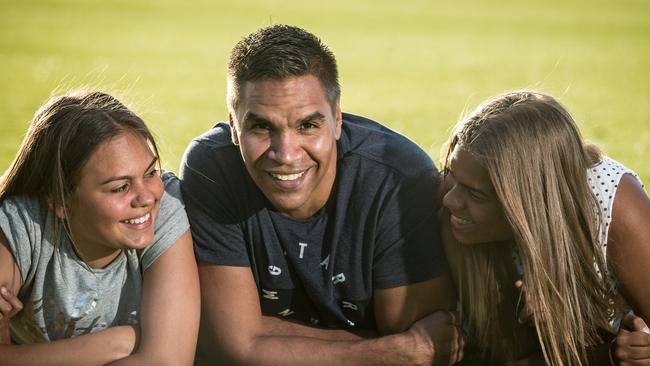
(116, 200)
(476, 214)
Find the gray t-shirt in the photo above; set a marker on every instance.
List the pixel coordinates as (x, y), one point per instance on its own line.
(62, 296)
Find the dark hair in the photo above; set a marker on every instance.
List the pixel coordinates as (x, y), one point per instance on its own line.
(278, 52)
(64, 133)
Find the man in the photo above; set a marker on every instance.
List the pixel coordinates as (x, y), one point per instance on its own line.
(313, 228)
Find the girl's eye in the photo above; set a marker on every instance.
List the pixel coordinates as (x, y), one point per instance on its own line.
(121, 188)
(153, 173)
(476, 196)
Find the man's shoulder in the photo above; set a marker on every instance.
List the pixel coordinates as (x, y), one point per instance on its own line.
(216, 140)
(371, 140)
(218, 136)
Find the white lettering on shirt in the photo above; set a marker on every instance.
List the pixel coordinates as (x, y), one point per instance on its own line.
(338, 278)
(349, 305)
(325, 262)
(286, 312)
(271, 295)
(302, 249)
(275, 271)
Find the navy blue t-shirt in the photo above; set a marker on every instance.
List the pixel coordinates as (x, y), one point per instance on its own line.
(377, 230)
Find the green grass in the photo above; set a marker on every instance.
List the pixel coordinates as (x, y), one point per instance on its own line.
(414, 65)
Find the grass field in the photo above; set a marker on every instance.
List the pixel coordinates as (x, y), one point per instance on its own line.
(414, 65)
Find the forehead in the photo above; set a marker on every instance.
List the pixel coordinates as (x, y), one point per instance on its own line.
(468, 170)
(124, 154)
(294, 96)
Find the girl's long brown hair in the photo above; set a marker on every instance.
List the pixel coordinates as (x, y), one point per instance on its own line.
(64, 133)
(537, 163)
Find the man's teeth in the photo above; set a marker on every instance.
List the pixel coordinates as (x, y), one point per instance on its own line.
(138, 220)
(460, 220)
(287, 176)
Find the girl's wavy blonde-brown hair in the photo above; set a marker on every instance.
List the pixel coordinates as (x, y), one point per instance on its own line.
(537, 162)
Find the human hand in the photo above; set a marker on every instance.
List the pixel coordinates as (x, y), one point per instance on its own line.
(9, 304)
(439, 339)
(525, 311)
(634, 323)
(632, 344)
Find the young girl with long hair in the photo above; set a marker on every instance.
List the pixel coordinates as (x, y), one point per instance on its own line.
(94, 243)
(526, 197)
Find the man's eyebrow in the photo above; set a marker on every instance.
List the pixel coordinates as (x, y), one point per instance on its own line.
(314, 117)
(127, 177)
(251, 117)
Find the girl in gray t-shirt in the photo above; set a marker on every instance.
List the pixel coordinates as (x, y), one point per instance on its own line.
(95, 243)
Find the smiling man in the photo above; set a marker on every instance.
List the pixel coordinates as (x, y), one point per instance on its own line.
(315, 230)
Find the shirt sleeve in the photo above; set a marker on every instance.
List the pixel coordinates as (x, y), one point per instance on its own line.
(408, 245)
(211, 182)
(171, 221)
(22, 221)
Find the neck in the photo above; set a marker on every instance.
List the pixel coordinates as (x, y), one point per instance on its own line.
(94, 259)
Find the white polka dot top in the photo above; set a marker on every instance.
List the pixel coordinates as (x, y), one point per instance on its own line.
(603, 180)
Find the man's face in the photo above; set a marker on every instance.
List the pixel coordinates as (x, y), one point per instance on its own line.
(287, 134)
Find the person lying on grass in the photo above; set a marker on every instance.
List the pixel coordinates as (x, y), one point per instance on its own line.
(96, 260)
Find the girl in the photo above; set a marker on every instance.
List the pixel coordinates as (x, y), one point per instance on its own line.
(525, 196)
(95, 243)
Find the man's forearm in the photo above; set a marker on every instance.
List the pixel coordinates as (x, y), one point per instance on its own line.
(280, 350)
(433, 340)
(280, 327)
(245, 337)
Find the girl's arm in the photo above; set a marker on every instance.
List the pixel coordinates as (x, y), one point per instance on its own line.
(92, 349)
(628, 244)
(628, 256)
(10, 280)
(170, 309)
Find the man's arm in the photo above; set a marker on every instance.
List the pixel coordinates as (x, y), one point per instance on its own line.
(235, 330)
(274, 325)
(397, 308)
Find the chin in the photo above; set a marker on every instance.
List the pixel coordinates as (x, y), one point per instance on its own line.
(464, 239)
(140, 243)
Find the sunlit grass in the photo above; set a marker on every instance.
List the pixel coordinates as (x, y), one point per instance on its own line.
(414, 65)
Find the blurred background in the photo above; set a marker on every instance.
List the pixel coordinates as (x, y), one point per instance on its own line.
(414, 65)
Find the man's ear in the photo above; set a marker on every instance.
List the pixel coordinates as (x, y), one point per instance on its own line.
(339, 120)
(233, 129)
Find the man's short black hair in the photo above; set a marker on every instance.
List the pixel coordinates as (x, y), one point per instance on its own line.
(278, 52)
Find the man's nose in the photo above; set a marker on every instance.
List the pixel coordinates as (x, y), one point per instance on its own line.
(285, 148)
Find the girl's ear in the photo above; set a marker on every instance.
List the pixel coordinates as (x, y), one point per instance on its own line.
(59, 210)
